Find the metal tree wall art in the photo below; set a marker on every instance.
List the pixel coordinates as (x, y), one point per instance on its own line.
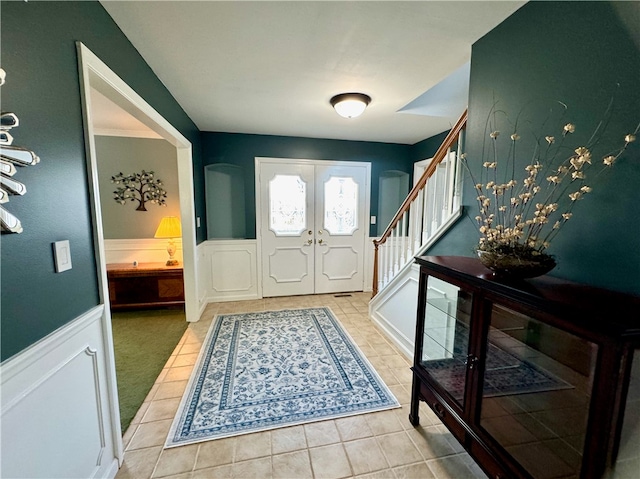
(140, 187)
(10, 157)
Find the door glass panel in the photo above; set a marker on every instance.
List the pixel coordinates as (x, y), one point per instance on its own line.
(537, 385)
(287, 205)
(446, 336)
(340, 206)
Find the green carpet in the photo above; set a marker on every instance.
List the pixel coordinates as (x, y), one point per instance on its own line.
(143, 342)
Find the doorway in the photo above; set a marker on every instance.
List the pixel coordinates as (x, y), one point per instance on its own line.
(312, 225)
(94, 74)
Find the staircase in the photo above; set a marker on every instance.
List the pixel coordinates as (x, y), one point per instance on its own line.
(431, 207)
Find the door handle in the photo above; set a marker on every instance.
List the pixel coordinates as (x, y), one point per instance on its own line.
(321, 242)
(319, 232)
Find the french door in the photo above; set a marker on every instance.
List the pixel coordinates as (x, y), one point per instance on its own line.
(312, 225)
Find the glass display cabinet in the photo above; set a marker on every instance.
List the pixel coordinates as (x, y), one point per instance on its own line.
(530, 376)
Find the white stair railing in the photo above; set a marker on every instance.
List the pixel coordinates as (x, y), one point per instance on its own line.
(432, 202)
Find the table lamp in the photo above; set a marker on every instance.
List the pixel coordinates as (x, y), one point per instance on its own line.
(169, 227)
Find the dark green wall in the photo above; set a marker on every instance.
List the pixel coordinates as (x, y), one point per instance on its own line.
(43, 89)
(574, 52)
(241, 150)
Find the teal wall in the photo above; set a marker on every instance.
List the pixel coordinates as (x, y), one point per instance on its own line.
(241, 150)
(43, 89)
(574, 52)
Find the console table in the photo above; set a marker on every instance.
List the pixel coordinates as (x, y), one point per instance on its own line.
(530, 376)
(147, 285)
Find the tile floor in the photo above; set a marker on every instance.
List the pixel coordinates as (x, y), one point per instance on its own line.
(380, 445)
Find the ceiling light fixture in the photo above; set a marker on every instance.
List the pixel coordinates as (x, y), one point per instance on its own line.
(350, 105)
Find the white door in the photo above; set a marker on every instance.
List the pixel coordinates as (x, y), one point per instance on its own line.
(312, 226)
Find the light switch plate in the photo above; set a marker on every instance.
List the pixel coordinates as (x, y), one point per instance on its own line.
(62, 253)
(373, 220)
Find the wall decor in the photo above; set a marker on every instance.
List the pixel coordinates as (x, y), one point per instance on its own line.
(10, 157)
(140, 187)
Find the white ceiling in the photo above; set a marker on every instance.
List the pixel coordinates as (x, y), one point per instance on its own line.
(271, 67)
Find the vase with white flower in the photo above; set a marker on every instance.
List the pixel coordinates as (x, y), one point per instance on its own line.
(519, 218)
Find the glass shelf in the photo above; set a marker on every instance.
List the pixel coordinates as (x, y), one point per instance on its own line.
(446, 336)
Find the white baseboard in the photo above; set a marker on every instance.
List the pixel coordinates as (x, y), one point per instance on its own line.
(57, 416)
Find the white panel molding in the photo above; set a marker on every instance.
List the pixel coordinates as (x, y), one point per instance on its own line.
(142, 250)
(56, 413)
(126, 133)
(390, 300)
(230, 270)
(203, 285)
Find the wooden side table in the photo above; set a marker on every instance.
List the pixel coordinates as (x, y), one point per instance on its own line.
(147, 285)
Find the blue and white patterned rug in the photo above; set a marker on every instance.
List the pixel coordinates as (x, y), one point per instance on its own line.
(260, 371)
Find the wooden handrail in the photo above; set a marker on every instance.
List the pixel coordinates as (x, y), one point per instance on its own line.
(440, 155)
(437, 159)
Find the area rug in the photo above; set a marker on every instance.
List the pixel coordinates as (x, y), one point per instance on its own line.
(261, 371)
(505, 374)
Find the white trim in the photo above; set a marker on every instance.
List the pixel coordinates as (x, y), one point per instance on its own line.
(125, 133)
(299, 161)
(59, 387)
(96, 74)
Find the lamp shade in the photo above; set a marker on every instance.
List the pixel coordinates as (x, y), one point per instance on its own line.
(169, 228)
(350, 105)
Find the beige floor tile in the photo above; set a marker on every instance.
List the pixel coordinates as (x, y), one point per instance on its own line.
(419, 470)
(365, 456)
(354, 427)
(330, 462)
(321, 433)
(399, 449)
(141, 412)
(292, 465)
(432, 442)
(288, 439)
(383, 422)
(186, 359)
(150, 434)
(216, 453)
(161, 409)
(178, 374)
(250, 446)
(176, 460)
(220, 472)
(190, 348)
(139, 463)
(253, 469)
(460, 466)
(173, 389)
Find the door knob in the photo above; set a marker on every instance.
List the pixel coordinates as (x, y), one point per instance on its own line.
(320, 242)
(310, 232)
(319, 232)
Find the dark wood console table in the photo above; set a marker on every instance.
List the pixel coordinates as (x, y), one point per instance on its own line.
(147, 285)
(530, 376)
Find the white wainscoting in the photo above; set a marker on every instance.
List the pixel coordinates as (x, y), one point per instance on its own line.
(230, 270)
(57, 420)
(394, 310)
(142, 250)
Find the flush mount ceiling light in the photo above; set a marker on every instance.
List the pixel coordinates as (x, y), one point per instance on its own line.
(350, 105)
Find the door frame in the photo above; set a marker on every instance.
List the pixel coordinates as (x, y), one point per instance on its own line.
(295, 161)
(94, 73)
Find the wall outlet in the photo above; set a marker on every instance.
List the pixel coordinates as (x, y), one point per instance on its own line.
(197, 222)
